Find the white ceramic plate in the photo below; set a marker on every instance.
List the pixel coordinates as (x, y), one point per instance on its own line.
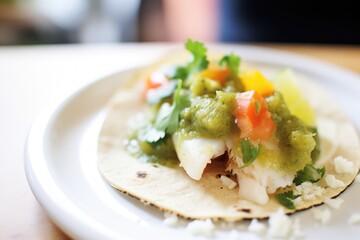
(62, 172)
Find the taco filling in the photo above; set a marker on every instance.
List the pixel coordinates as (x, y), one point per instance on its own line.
(260, 136)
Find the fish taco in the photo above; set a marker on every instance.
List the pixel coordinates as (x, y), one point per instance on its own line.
(210, 138)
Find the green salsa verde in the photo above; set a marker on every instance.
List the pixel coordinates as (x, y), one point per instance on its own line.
(162, 152)
(296, 141)
(209, 117)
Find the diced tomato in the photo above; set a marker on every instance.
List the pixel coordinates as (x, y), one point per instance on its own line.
(255, 80)
(218, 74)
(252, 116)
(155, 80)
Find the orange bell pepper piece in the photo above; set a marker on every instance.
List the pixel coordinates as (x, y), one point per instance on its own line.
(218, 74)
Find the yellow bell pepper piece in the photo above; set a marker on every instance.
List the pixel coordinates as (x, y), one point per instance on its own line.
(255, 80)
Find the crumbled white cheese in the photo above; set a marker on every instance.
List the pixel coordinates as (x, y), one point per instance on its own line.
(201, 227)
(333, 182)
(297, 231)
(170, 219)
(334, 202)
(234, 235)
(354, 218)
(308, 192)
(357, 179)
(342, 165)
(323, 215)
(256, 226)
(228, 182)
(279, 224)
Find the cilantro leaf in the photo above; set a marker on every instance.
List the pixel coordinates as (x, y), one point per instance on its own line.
(198, 51)
(249, 152)
(197, 63)
(231, 61)
(180, 102)
(167, 119)
(180, 72)
(150, 134)
(286, 199)
(161, 93)
(309, 174)
(163, 117)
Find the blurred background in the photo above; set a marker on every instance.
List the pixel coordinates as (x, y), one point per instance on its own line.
(103, 21)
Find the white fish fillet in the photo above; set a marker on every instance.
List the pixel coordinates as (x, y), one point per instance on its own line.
(194, 154)
(255, 181)
(251, 189)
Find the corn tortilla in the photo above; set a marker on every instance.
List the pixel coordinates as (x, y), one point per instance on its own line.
(171, 189)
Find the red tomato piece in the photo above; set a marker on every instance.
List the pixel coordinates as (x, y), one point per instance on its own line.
(253, 117)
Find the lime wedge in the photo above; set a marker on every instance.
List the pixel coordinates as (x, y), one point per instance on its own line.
(298, 105)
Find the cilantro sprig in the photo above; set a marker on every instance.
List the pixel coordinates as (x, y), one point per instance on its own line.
(309, 174)
(287, 199)
(198, 61)
(249, 152)
(151, 135)
(167, 119)
(231, 61)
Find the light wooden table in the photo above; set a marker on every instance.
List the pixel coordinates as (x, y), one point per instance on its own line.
(30, 76)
